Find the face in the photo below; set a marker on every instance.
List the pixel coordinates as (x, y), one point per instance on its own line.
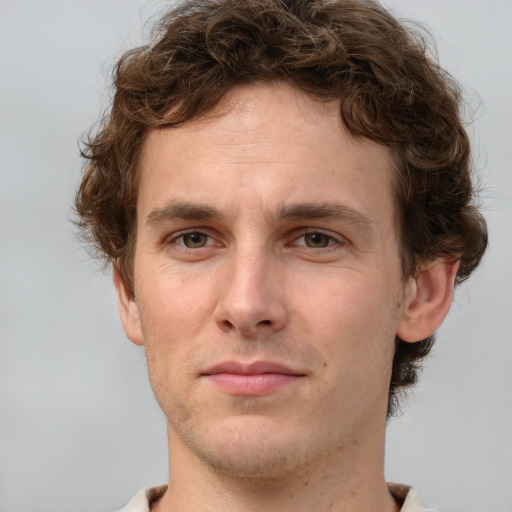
(267, 281)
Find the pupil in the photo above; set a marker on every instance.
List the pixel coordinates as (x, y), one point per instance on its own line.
(317, 240)
(194, 240)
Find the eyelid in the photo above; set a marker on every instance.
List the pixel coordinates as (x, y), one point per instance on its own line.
(174, 237)
(335, 237)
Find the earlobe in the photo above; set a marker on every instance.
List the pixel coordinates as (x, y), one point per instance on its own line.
(428, 299)
(128, 309)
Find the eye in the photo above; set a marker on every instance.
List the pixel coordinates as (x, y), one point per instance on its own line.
(193, 240)
(316, 240)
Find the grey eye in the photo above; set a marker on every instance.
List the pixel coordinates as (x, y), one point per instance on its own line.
(316, 240)
(194, 240)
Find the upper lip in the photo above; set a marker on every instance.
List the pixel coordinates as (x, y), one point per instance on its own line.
(256, 368)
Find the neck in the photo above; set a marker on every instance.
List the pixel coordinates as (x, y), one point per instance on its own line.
(351, 480)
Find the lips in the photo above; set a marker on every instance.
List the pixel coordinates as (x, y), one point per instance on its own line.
(255, 379)
(258, 367)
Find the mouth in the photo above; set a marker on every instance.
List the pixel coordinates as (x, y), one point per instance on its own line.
(255, 379)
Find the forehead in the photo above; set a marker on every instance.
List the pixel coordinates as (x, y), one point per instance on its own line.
(267, 145)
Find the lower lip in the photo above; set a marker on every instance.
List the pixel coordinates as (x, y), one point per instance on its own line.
(251, 385)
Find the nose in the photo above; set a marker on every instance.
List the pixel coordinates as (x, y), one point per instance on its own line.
(251, 295)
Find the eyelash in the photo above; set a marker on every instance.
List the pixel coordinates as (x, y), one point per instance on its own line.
(331, 241)
(181, 236)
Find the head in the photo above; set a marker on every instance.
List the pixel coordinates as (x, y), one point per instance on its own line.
(381, 76)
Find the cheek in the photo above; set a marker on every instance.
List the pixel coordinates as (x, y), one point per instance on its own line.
(171, 347)
(353, 322)
(172, 320)
(172, 303)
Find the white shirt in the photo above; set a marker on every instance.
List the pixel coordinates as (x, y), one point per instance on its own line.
(411, 503)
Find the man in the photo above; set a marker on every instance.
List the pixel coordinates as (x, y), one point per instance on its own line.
(283, 189)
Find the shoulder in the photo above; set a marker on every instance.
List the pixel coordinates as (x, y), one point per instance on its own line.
(407, 497)
(142, 501)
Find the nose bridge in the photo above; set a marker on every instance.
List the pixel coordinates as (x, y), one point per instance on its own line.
(250, 297)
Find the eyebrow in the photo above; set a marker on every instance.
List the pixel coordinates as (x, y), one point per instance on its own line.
(181, 210)
(299, 211)
(333, 211)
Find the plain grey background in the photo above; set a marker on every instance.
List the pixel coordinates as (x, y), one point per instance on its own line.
(79, 429)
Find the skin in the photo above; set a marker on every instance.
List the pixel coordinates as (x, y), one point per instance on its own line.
(265, 232)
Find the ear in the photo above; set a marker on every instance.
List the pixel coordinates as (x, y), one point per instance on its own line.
(428, 299)
(128, 309)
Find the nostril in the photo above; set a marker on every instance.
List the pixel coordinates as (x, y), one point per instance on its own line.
(266, 322)
(228, 324)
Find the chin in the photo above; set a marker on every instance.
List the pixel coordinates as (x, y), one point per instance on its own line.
(251, 447)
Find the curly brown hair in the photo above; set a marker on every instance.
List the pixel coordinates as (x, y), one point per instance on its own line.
(390, 87)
